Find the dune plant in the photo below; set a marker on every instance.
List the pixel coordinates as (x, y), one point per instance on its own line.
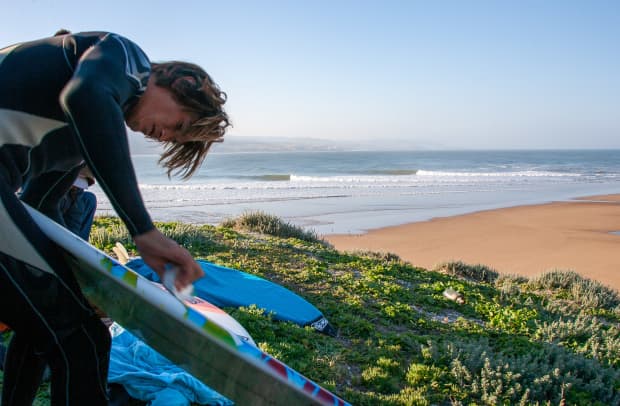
(584, 291)
(478, 272)
(264, 223)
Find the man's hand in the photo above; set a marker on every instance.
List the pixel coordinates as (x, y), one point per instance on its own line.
(157, 250)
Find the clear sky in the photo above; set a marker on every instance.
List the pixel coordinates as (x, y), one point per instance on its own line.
(445, 74)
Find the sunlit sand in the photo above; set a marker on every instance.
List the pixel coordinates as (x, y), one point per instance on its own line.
(579, 235)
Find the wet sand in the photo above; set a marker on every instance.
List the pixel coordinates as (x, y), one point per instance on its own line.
(580, 235)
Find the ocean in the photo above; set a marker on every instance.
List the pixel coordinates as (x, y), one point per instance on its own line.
(350, 192)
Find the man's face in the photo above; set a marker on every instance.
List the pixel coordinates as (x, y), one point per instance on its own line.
(160, 117)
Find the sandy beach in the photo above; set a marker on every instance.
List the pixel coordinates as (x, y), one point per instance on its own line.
(527, 240)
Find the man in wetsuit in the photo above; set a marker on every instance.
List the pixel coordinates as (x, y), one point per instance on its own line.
(64, 102)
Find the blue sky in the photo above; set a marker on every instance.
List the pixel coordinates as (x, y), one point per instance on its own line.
(440, 74)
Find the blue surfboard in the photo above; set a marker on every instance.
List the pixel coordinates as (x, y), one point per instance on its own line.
(227, 287)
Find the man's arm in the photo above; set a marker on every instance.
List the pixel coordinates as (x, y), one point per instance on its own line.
(92, 101)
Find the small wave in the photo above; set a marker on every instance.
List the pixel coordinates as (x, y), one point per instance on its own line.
(354, 179)
(272, 177)
(393, 172)
(524, 174)
(176, 186)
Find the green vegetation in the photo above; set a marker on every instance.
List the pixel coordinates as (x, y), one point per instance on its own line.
(263, 223)
(478, 273)
(550, 340)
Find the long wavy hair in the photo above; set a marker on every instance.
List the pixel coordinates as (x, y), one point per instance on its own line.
(194, 89)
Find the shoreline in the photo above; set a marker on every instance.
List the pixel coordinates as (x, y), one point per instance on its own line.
(579, 235)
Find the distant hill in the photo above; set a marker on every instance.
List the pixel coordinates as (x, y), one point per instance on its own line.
(238, 143)
(233, 143)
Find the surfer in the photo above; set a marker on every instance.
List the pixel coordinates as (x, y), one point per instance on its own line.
(64, 103)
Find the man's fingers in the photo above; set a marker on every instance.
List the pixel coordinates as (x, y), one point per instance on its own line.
(189, 272)
(158, 250)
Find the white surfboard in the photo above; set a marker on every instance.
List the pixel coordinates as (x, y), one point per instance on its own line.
(219, 316)
(214, 355)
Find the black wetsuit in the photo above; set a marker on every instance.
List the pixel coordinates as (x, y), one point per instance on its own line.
(62, 105)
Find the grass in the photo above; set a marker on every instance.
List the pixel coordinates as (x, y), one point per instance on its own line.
(549, 340)
(264, 223)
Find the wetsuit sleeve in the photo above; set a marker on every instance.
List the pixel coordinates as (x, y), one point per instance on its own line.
(45, 192)
(108, 75)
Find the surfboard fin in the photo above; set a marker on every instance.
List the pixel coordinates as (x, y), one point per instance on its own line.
(121, 253)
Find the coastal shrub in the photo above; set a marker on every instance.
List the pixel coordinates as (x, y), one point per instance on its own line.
(383, 375)
(511, 278)
(583, 291)
(107, 231)
(263, 223)
(584, 334)
(380, 255)
(479, 273)
(548, 373)
(192, 237)
(510, 285)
